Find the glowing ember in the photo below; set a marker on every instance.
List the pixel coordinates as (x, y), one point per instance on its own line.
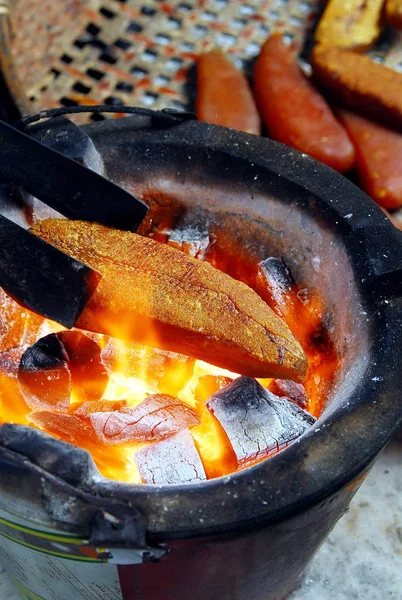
(157, 417)
(151, 416)
(256, 422)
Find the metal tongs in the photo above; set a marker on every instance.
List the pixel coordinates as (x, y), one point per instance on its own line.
(33, 272)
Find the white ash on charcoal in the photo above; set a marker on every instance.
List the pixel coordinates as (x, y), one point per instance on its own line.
(10, 360)
(67, 427)
(57, 364)
(156, 418)
(191, 234)
(192, 241)
(295, 392)
(274, 277)
(257, 422)
(167, 371)
(174, 460)
(85, 409)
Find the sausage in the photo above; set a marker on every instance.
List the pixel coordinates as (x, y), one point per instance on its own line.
(223, 94)
(154, 294)
(352, 24)
(378, 159)
(359, 82)
(294, 112)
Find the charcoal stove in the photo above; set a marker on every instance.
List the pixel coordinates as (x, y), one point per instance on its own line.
(249, 534)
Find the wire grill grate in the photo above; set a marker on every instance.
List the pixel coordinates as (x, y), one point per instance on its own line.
(141, 52)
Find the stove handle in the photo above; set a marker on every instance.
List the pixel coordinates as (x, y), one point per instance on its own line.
(118, 528)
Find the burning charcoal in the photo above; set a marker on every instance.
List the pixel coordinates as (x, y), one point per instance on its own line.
(277, 274)
(89, 375)
(67, 427)
(295, 392)
(162, 297)
(44, 375)
(168, 371)
(191, 241)
(18, 325)
(156, 418)
(191, 233)
(256, 422)
(191, 236)
(85, 409)
(58, 363)
(10, 360)
(175, 460)
(208, 385)
(274, 277)
(12, 404)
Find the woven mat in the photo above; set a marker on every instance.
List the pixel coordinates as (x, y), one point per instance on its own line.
(142, 52)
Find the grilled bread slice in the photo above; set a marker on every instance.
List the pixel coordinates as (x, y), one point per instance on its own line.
(154, 294)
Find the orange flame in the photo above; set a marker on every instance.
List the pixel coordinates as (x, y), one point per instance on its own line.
(137, 371)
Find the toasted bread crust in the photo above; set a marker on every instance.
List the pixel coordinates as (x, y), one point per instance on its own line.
(359, 82)
(393, 13)
(155, 294)
(353, 24)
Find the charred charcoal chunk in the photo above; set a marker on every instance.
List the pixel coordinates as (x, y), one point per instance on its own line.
(12, 403)
(191, 234)
(276, 273)
(192, 240)
(157, 417)
(44, 375)
(175, 460)
(168, 371)
(295, 392)
(10, 360)
(256, 422)
(275, 278)
(85, 409)
(89, 375)
(18, 325)
(57, 364)
(67, 427)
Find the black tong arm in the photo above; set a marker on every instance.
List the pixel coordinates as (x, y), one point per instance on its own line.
(34, 273)
(41, 277)
(64, 184)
